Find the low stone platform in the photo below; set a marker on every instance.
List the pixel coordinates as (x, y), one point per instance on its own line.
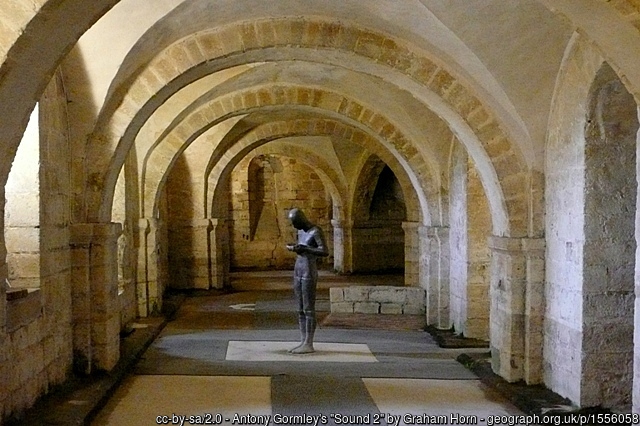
(378, 300)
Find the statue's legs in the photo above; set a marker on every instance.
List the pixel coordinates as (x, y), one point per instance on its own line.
(305, 290)
(302, 321)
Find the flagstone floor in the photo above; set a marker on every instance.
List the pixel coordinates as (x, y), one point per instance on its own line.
(224, 360)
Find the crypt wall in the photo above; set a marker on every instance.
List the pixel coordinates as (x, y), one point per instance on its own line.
(591, 200)
(264, 189)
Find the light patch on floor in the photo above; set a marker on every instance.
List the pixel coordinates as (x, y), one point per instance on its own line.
(239, 350)
(457, 400)
(244, 307)
(141, 399)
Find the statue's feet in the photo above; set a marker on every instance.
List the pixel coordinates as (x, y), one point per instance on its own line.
(291, 351)
(306, 348)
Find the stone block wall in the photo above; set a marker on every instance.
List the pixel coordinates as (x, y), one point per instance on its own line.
(378, 247)
(35, 335)
(22, 210)
(609, 250)
(263, 190)
(378, 238)
(377, 300)
(590, 199)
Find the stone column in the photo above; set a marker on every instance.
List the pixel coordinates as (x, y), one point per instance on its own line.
(517, 307)
(534, 249)
(411, 253)
(342, 240)
(424, 274)
(201, 276)
(219, 252)
(433, 243)
(152, 273)
(95, 307)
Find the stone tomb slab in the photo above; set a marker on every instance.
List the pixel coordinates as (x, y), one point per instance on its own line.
(240, 350)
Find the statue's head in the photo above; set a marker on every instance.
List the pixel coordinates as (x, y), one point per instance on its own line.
(298, 219)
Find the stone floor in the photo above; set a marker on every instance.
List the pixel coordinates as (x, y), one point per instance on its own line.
(225, 356)
(222, 355)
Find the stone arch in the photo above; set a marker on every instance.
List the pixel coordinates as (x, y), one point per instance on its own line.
(319, 128)
(328, 176)
(312, 33)
(292, 96)
(209, 262)
(628, 10)
(224, 159)
(370, 236)
(614, 27)
(362, 191)
(27, 66)
(583, 248)
(503, 157)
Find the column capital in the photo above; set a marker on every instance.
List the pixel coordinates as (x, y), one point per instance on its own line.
(218, 221)
(410, 225)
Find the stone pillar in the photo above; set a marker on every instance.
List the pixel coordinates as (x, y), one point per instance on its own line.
(411, 253)
(219, 254)
(144, 271)
(152, 262)
(534, 249)
(342, 240)
(517, 307)
(95, 307)
(201, 276)
(424, 274)
(479, 227)
(433, 243)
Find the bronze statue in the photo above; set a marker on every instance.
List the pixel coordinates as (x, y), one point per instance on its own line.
(310, 246)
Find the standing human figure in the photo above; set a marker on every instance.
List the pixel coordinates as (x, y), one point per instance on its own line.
(310, 246)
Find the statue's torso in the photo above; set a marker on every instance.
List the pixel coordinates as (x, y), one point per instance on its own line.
(306, 266)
